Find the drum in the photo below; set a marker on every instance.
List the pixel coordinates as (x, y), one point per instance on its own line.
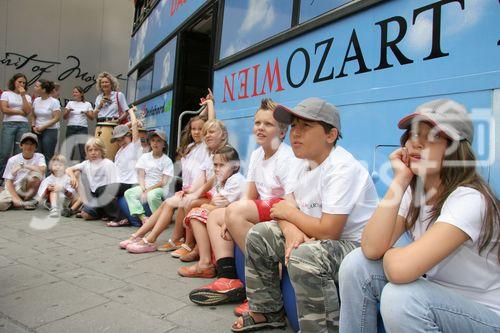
(104, 131)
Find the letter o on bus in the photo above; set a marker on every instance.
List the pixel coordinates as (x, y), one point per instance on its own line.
(307, 60)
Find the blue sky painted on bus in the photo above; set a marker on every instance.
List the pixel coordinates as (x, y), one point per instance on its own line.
(313, 8)
(247, 22)
(159, 24)
(164, 65)
(371, 103)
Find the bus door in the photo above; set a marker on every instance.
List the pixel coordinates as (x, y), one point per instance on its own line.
(194, 74)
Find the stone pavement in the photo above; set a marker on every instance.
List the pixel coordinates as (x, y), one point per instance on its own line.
(69, 275)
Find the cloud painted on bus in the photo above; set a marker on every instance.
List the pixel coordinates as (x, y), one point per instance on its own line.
(352, 53)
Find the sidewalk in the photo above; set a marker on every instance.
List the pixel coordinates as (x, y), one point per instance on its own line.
(74, 278)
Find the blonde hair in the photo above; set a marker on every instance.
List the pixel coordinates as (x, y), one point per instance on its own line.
(57, 158)
(216, 123)
(115, 86)
(97, 143)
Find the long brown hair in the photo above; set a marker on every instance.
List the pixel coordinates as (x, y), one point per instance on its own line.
(462, 172)
(186, 138)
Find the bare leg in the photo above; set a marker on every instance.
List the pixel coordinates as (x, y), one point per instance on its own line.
(190, 241)
(222, 248)
(178, 232)
(201, 235)
(161, 224)
(163, 213)
(53, 199)
(32, 186)
(240, 217)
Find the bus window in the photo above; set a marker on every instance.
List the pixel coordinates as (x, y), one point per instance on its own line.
(249, 22)
(144, 84)
(312, 8)
(164, 66)
(131, 86)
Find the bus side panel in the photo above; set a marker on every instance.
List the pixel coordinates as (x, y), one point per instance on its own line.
(376, 66)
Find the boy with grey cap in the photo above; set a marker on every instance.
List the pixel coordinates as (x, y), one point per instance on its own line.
(311, 232)
(23, 175)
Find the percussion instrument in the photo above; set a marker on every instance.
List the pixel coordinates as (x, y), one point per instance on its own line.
(104, 131)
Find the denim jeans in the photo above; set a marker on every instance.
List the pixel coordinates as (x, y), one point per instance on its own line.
(10, 138)
(47, 142)
(419, 306)
(72, 145)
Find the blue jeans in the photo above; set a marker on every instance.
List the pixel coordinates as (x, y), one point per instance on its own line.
(47, 142)
(11, 136)
(419, 306)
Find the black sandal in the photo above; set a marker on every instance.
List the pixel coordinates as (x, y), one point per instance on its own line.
(272, 320)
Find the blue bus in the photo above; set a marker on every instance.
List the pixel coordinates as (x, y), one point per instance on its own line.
(376, 60)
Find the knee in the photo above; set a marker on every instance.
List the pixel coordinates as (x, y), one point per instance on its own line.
(154, 195)
(304, 258)
(352, 265)
(257, 234)
(400, 301)
(232, 213)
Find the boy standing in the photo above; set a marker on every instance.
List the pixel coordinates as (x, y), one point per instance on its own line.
(22, 175)
(335, 197)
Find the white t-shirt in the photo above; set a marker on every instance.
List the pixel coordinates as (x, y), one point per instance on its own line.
(111, 109)
(64, 181)
(474, 276)
(191, 163)
(77, 116)
(15, 102)
(155, 168)
(272, 177)
(44, 108)
(37, 160)
(232, 189)
(125, 161)
(99, 173)
(339, 185)
(207, 166)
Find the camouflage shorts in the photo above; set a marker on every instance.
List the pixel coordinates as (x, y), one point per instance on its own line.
(313, 269)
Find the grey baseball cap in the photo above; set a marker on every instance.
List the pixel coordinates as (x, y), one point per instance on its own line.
(313, 108)
(30, 136)
(447, 115)
(119, 131)
(159, 134)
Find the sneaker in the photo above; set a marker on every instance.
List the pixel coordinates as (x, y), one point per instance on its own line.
(170, 245)
(54, 212)
(183, 250)
(220, 291)
(66, 212)
(130, 240)
(141, 247)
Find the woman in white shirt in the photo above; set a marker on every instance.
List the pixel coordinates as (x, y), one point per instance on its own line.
(447, 279)
(77, 112)
(46, 115)
(111, 104)
(15, 105)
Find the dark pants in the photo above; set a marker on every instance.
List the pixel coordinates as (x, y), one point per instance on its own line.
(47, 142)
(103, 202)
(10, 138)
(75, 146)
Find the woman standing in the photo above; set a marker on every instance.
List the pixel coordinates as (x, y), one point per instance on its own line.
(77, 112)
(111, 105)
(15, 105)
(46, 114)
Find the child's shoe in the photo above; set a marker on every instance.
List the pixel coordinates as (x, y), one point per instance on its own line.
(142, 246)
(130, 240)
(220, 291)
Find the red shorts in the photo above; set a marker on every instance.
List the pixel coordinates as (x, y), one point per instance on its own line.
(264, 208)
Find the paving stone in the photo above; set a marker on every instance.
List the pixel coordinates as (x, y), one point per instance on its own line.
(48, 263)
(47, 303)
(60, 232)
(86, 241)
(110, 318)
(37, 243)
(70, 254)
(91, 280)
(20, 277)
(15, 251)
(7, 326)
(207, 319)
(4, 261)
(145, 300)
